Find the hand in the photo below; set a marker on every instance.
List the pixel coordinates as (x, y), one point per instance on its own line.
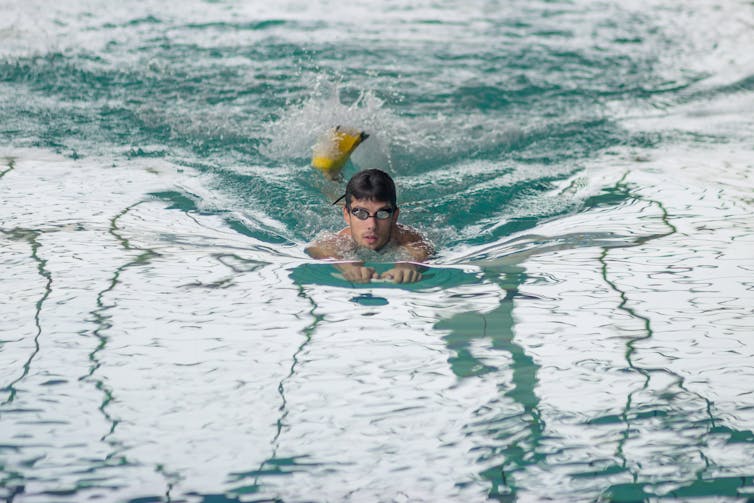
(403, 273)
(357, 273)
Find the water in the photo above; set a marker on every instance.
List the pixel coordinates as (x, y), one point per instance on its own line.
(584, 332)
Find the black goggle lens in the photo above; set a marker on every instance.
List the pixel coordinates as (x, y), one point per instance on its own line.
(363, 214)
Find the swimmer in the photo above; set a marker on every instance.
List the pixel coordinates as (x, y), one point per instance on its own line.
(372, 216)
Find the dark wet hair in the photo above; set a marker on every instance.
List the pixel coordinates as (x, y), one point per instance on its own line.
(372, 185)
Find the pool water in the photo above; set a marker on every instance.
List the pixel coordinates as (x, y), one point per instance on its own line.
(585, 331)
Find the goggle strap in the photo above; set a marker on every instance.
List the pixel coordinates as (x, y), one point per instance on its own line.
(337, 200)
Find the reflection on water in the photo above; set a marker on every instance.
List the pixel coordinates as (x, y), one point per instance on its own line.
(368, 299)
(30, 237)
(142, 358)
(433, 278)
(511, 441)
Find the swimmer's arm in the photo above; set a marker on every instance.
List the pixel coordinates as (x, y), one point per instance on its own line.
(321, 250)
(404, 272)
(419, 249)
(332, 246)
(325, 248)
(328, 248)
(417, 246)
(356, 272)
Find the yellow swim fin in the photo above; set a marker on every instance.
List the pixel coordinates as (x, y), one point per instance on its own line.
(332, 150)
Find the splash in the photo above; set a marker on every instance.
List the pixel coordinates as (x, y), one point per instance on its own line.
(293, 135)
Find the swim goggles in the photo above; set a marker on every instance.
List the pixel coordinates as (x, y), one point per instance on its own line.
(363, 214)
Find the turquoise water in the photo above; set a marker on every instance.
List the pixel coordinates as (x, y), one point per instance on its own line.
(583, 334)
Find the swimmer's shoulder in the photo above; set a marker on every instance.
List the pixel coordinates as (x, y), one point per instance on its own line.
(330, 245)
(406, 234)
(416, 243)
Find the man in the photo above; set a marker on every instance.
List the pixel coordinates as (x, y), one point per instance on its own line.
(371, 213)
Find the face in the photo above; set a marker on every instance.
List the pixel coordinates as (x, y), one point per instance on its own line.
(371, 233)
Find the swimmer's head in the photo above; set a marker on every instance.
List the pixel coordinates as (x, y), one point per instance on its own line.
(371, 185)
(371, 211)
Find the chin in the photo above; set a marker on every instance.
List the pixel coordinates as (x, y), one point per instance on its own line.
(374, 246)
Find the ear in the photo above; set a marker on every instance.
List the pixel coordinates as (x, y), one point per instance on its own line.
(395, 214)
(346, 216)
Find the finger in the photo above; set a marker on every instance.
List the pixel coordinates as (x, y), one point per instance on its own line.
(366, 274)
(411, 276)
(355, 276)
(360, 279)
(391, 275)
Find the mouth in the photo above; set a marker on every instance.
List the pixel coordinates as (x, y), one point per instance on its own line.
(370, 240)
